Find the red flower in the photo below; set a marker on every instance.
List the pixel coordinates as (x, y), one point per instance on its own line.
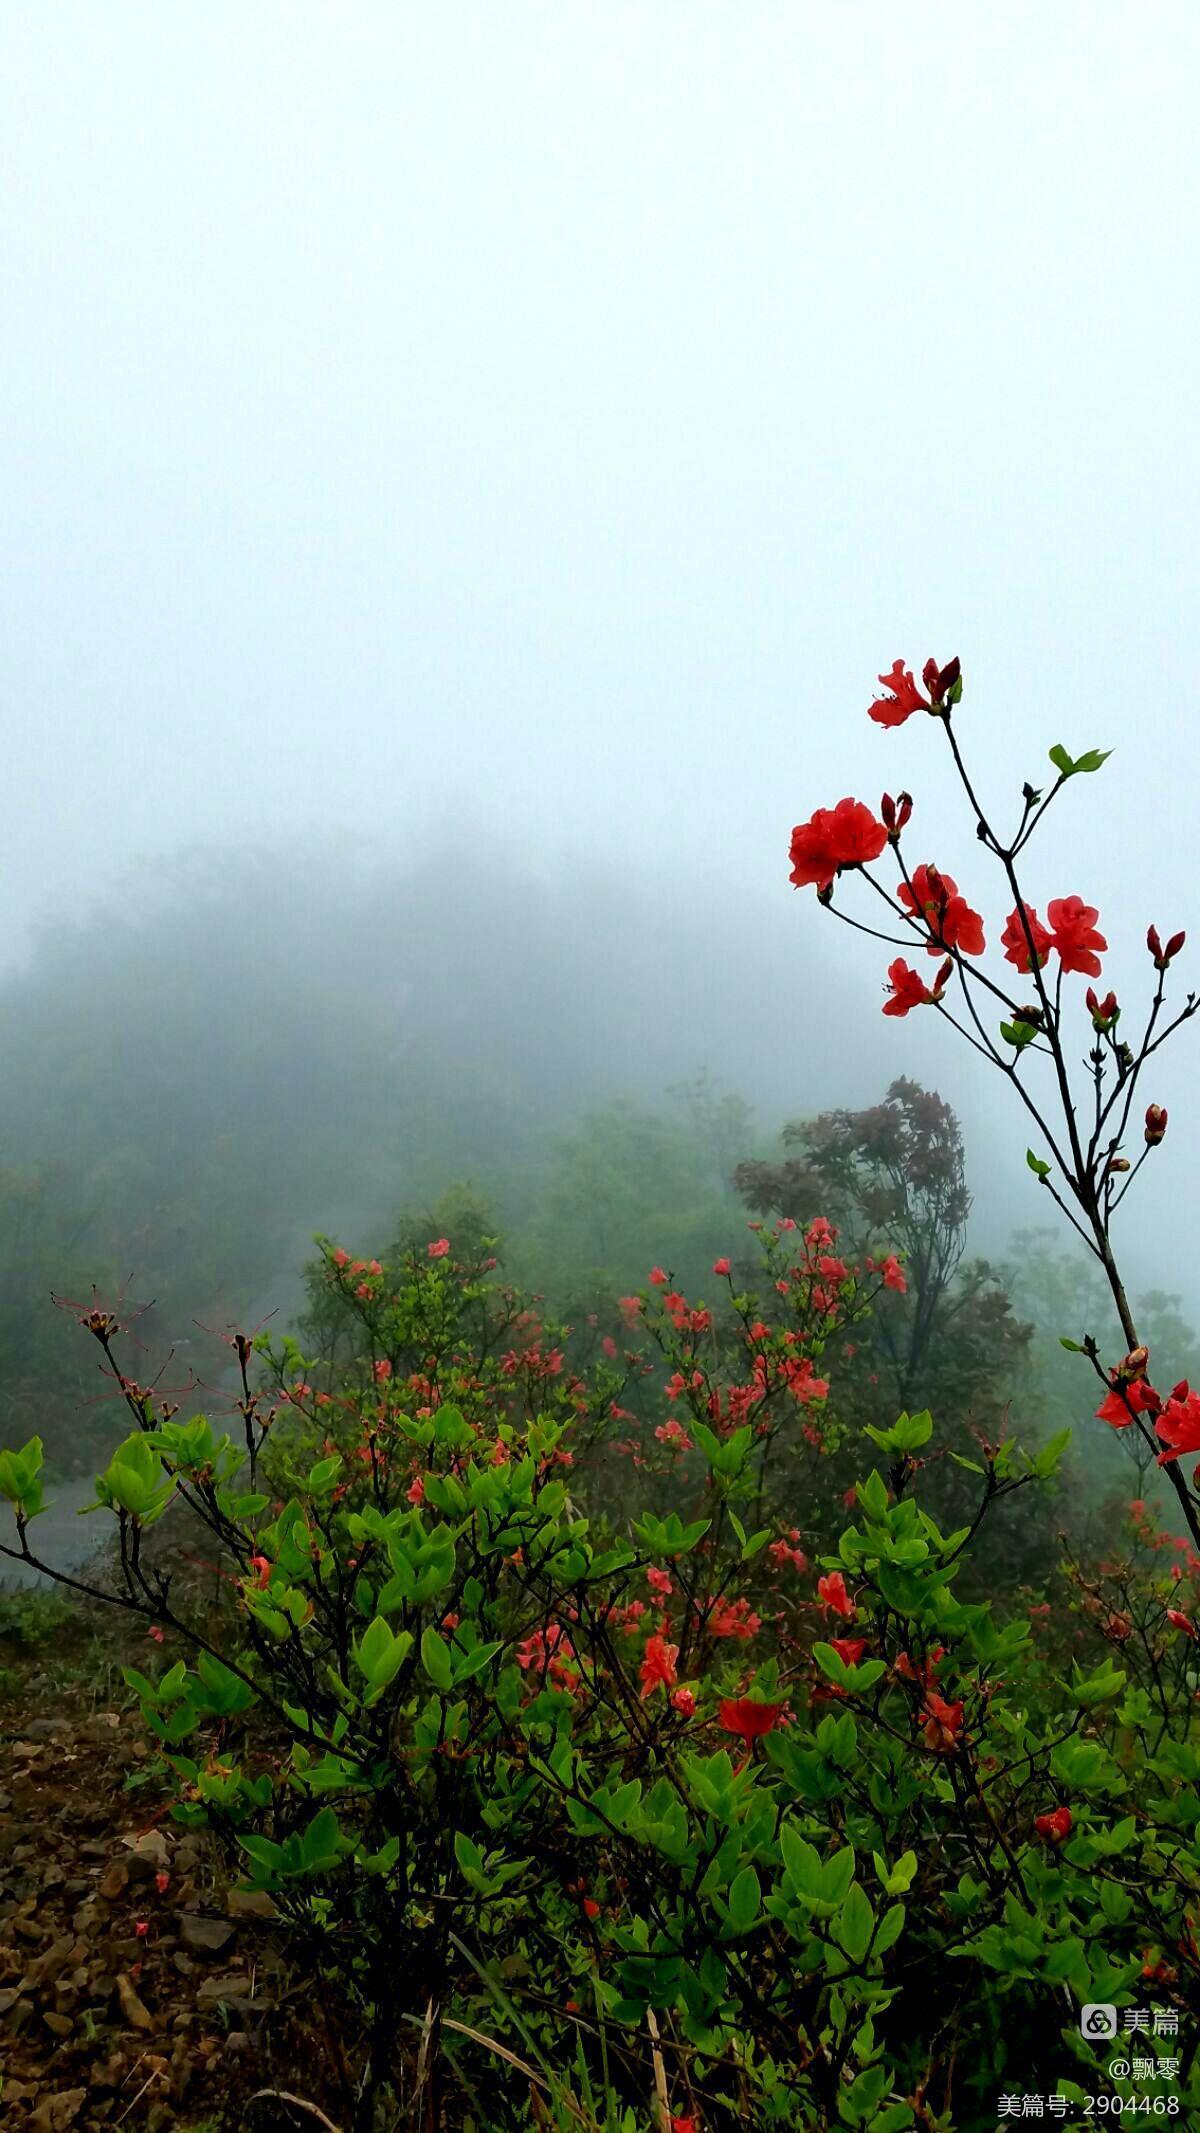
(743, 1716)
(720, 1266)
(902, 700)
(908, 990)
(591, 1908)
(847, 835)
(1129, 1397)
(684, 1701)
(439, 1249)
(1073, 934)
(893, 1274)
(1178, 1620)
(1103, 1012)
(848, 1649)
(687, 2124)
(942, 1723)
(1014, 943)
(658, 1665)
(1055, 1826)
(935, 898)
(832, 1593)
(1179, 1424)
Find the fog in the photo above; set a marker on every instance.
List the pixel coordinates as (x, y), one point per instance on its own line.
(500, 447)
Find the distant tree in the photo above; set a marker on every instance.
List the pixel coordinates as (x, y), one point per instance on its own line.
(894, 1178)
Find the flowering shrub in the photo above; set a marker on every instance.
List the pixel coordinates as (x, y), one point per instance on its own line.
(634, 1804)
(1083, 1133)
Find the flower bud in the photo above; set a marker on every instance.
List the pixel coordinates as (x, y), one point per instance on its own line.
(1156, 1124)
(1118, 1164)
(1163, 956)
(894, 814)
(1134, 1365)
(1103, 1012)
(941, 681)
(943, 977)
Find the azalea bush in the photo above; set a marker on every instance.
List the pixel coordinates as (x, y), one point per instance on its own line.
(1083, 1129)
(605, 1786)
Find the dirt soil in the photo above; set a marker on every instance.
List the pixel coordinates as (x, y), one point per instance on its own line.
(139, 1987)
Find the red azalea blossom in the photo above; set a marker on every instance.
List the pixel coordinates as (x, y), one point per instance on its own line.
(1055, 1826)
(893, 1274)
(847, 835)
(1179, 1424)
(683, 1701)
(908, 990)
(439, 1249)
(942, 1723)
(720, 1266)
(848, 1649)
(832, 1593)
(687, 2124)
(1014, 942)
(1178, 1620)
(658, 1665)
(902, 700)
(1073, 934)
(1127, 1398)
(743, 1716)
(934, 897)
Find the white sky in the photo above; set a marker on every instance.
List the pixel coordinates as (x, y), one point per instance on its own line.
(561, 412)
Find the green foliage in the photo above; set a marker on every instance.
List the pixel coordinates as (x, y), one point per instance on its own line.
(529, 1756)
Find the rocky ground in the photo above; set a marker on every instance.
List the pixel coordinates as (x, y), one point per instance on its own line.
(139, 1986)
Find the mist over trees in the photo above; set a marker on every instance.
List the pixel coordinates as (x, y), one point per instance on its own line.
(242, 1050)
(246, 1050)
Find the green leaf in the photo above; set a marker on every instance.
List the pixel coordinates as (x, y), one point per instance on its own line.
(322, 1474)
(855, 1923)
(745, 1899)
(1070, 767)
(435, 1658)
(1039, 1169)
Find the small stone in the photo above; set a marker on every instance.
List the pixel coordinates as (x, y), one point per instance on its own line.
(59, 2111)
(135, 2011)
(206, 1935)
(250, 1903)
(148, 1854)
(59, 2025)
(115, 1881)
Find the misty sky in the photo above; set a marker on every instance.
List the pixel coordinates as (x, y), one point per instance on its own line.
(551, 417)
